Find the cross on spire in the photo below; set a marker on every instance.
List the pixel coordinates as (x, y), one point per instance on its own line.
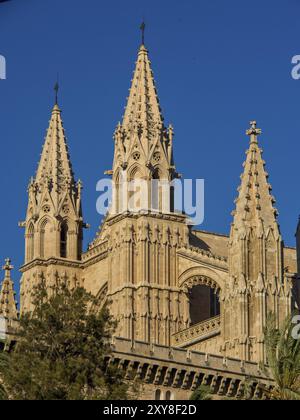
(253, 131)
(7, 267)
(56, 89)
(143, 28)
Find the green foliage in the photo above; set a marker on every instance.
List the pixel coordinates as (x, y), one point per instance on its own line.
(62, 350)
(3, 365)
(283, 355)
(202, 393)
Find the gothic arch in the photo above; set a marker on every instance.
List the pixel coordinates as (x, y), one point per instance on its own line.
(156, 198)
(45, 231)
(160, 190)
(100, 300)
(138, 196)
(202, 287)
(159, 173)
(200, 276)
(64, 239)
(117, 189)
(135, 172)
(158, 395)
(72, 226)
(44, 221)
(30, 242)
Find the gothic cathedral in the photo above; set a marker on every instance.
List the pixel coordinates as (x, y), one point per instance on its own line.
(191, 305)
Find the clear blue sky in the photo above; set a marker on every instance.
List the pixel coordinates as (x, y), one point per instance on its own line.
(218, 64)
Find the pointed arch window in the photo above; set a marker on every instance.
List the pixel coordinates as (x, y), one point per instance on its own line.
(155, 195)
(137, 191)
(204, 304)
(64, 240)
(117, 197)
(169, 396)
(30, 243)
(46, 239)
(158, 395)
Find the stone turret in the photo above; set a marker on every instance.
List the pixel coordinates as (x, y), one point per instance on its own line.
(8, 305)
(54, 216)
(54, 222)
(143, 145)
(142, 284)
(257, 282)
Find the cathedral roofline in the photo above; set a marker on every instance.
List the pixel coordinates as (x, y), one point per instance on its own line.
(221, 235)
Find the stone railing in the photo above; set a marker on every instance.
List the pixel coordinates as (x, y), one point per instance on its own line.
(95, 251)
(198, 332)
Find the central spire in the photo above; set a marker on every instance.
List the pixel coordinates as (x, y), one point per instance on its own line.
(143, 144)
(143, 112)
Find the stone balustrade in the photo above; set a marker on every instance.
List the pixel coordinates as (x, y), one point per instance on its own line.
(198, 332)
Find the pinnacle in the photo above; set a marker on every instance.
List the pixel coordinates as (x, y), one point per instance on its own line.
(8, 307)
(255, 201)
(143, 107)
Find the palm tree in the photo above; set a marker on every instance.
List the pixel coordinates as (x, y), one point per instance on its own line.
(283, 356)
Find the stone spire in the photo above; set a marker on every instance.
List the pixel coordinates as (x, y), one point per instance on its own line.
(256, 279)
(55, 169)
(8, 305)
(54, 215)
(143, 109)
(255, 203)
(143, 145)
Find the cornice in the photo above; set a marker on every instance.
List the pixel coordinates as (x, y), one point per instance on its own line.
(51, 261)
(204, 257)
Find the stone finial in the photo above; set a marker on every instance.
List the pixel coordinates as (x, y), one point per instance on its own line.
(56, 89)
(253, 130)
(7, 267)
(143, 29)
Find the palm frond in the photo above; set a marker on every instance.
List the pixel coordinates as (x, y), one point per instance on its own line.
(283, 354)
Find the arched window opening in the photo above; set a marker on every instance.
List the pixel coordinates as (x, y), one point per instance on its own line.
(172, 199)
(46, 240)
(117, 199)
(137, 191)
(158, 395)
(169, 396)
(63, 240)
(155, 191)
(204, 304)
(30, 243)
